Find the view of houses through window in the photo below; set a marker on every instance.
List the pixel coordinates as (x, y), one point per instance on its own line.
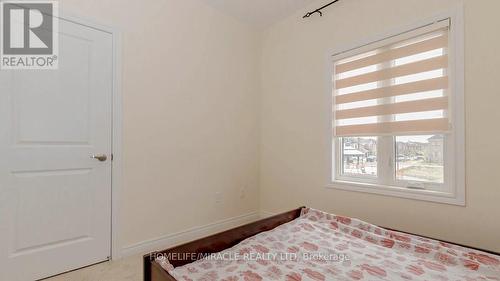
(420, 158)
(359, 156)
(417, 158)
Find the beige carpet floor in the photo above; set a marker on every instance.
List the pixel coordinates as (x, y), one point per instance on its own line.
(127, 269)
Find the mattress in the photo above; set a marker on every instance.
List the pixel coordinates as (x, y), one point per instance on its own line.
(320, 246)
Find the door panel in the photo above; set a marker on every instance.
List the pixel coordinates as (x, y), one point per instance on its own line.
(55, 200)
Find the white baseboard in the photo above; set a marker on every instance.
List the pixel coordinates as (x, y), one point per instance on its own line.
(266, 214)
(170, 240)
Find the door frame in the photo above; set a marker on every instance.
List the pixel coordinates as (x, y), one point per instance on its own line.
(117, 123)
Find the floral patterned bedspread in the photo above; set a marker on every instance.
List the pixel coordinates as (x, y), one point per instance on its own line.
(320, 246)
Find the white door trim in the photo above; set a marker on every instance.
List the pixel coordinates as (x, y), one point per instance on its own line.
(117, 134)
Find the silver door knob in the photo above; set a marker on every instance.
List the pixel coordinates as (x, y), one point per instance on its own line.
(100, 157)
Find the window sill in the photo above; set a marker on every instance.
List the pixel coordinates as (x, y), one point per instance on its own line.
(401, 192)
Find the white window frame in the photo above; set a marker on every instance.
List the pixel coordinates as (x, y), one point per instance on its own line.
(453, 190)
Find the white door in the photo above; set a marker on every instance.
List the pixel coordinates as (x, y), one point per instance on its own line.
(55, 199)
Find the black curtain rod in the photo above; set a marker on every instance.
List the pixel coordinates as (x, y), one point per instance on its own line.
(319, 10)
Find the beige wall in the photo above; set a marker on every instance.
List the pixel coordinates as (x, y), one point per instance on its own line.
(294, 126)
(190, 76)
(192, 109)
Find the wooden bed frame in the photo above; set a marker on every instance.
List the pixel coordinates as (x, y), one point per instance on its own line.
(212, 244)
(224, 240)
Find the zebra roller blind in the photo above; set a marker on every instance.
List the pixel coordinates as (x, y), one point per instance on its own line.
(396, 86)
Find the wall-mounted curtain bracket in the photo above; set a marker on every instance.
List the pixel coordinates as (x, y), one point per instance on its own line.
(319, 10)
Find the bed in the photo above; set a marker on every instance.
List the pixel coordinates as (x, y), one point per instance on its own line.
(307, 244)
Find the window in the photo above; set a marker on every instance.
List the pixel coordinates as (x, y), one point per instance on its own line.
(398, 115)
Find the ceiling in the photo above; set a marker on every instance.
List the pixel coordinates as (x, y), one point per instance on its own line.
(259, 13)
